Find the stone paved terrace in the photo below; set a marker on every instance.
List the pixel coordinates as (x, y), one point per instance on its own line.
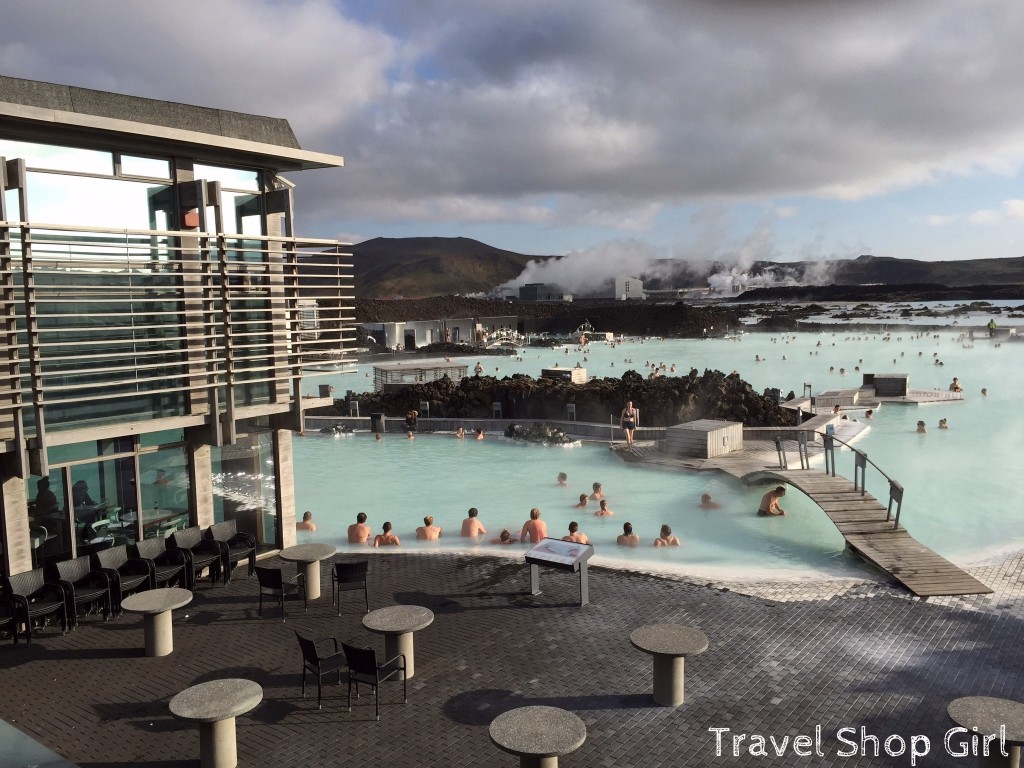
(782, 659)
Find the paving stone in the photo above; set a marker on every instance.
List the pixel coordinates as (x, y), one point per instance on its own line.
(782, 659)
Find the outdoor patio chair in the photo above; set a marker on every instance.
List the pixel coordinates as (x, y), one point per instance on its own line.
(33, 599)
(201, 553)
(234, 547)
(363, 668)
(317, 664)
(82, 585)
(166, 566)
(126, 574)
(7, 621)
(349, 576)
(273, 583)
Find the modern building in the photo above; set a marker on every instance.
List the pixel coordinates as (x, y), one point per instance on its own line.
(154, 319)
(543, 292)
(629, 288)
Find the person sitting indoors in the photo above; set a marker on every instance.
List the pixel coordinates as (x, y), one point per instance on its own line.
(666, 539)
(306, 524)
(943, 424)
(707, 503)
(387, 538)
(504, 538)
(627, 538)
(359, 531)
(534, 529)
(598, 494)
(575, 535)
(80, 495)
(921, 428)
(428, 531)
(471, 526)
(563, 479)
(46, 500)
(460, 433)
(603, 510)
(584, 500)
(769, 506)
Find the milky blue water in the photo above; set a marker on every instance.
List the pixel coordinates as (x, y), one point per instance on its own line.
(963, 496)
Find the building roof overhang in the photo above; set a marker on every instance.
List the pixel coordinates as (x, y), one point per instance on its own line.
(26, 122)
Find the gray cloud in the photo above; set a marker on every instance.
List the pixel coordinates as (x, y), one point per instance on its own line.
(573, 113)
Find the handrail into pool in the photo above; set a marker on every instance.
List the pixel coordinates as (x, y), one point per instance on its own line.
(861, 461)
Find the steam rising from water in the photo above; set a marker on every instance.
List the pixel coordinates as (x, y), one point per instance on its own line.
(587, 272)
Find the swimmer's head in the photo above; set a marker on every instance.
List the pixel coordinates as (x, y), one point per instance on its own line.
(473, 512)
(665, 531)
(534, 513)
(574, 526)
(361, 517)
(505, 535)
(627, 529)
(705, 498)
(387, 527)
(428, 520)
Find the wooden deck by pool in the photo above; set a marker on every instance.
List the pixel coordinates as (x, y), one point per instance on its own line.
(860, 517)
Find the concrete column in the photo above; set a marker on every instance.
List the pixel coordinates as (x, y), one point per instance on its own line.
(200, 476)
(284, 482)
(217, 745)
(668, 680)
(396, 644)
(14, 518)
(312, 573)
(159, 634)
(532, 761)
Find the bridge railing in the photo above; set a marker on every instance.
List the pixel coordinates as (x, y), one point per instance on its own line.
(860, 467)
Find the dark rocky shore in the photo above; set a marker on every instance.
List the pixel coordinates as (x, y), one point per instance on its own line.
(662, 401)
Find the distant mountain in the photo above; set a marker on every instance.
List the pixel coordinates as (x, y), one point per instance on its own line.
(417, 267)
(891, 271)
(432, 266)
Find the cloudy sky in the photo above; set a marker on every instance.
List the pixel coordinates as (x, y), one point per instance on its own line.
(743, 129)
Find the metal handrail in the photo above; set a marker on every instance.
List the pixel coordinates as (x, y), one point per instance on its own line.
(861, 461)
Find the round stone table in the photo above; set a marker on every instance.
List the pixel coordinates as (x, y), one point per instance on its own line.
(988, 715)
(669, 644)
(156, 606)
(215, 705)
(308, 557)
(538, 735)
(397, 623)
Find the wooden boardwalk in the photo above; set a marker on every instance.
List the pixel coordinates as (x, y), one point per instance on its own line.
(859, 518)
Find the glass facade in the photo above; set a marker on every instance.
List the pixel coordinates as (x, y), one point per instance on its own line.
(150, 301)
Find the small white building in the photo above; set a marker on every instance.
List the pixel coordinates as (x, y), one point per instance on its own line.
(629, 288)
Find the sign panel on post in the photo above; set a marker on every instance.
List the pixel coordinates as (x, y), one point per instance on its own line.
(563, 556)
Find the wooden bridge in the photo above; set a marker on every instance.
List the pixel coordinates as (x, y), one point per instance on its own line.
(861, 519)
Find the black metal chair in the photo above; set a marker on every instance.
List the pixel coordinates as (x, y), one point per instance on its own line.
(8, 623)
(166, 566)
(273, 583)
(201, 553)
(349, 576)
(235, 547)
(82, 585)
(317, 664)
(363, 668)
(127, 574)
(34, 598)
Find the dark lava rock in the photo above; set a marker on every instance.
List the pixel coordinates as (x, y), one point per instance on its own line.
(538, 433)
